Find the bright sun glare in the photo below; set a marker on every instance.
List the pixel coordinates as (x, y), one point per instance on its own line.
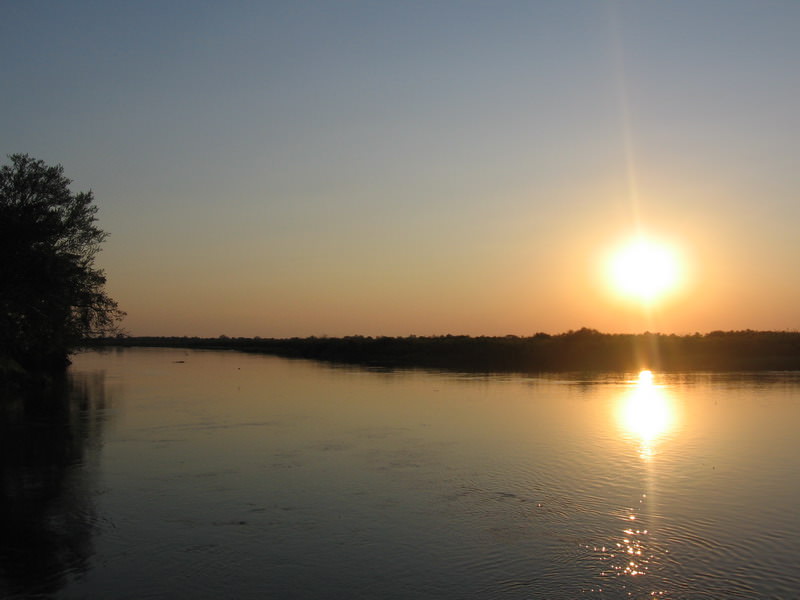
(644, 270)
(646, 413)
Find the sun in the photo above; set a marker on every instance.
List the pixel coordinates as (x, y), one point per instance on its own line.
(644, 269)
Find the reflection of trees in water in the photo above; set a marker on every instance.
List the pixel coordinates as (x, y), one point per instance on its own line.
(46, 513)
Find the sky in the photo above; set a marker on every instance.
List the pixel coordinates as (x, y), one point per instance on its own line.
(333, 168)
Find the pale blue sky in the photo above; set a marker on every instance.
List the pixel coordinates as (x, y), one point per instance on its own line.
(418, 167)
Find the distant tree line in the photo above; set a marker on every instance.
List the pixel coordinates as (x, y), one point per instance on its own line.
(582, 350)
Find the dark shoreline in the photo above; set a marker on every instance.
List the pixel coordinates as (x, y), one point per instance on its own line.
(584, 350)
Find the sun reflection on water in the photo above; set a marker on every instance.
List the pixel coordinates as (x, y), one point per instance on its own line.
(646, 414)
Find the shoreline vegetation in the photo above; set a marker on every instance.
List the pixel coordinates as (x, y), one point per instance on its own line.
(585, 350)
(52, 295)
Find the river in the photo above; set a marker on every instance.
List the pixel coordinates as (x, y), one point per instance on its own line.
(163, 473)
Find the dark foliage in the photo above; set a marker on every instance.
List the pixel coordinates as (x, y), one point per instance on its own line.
(582, 350)
(51, 294)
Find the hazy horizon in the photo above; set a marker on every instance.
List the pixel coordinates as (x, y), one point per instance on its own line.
(456, 334)
(353, 168)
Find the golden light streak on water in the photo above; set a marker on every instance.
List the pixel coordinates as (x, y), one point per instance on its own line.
(646, 414)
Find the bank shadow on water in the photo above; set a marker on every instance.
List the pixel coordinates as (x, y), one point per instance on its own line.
(48, 435)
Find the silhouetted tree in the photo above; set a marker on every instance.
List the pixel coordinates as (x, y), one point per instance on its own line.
(51, 294)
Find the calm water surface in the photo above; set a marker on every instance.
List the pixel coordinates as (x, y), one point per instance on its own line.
(191, 474)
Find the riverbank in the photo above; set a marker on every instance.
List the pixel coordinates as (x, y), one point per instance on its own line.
(581, 350)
